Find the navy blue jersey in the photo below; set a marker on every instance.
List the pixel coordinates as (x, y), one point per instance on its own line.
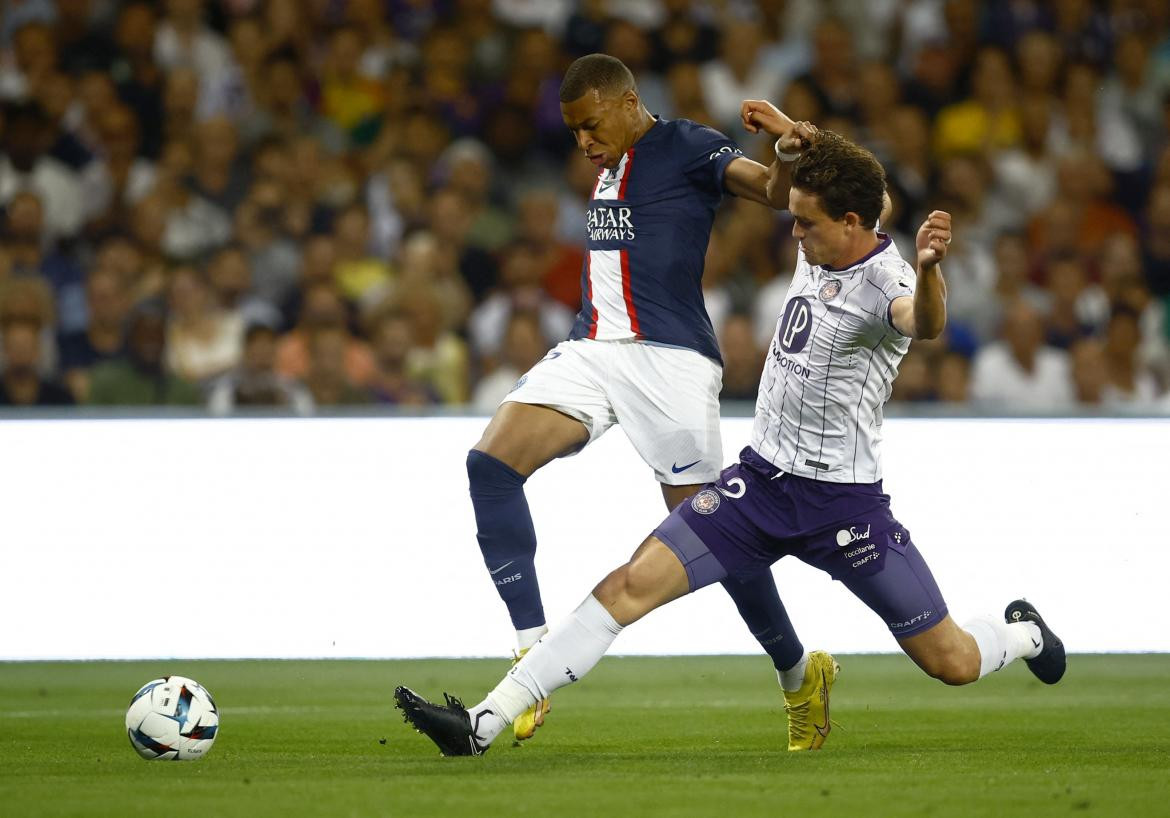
(648, 225)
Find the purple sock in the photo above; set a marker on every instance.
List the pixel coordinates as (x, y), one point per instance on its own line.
(759, 604)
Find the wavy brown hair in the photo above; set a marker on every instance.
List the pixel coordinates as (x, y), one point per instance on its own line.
(846, 177)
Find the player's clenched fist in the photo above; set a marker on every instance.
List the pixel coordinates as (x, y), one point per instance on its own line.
(761, 115)
(933, 238)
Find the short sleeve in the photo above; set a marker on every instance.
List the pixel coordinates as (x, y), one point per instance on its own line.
(706, 153)
(894, 281)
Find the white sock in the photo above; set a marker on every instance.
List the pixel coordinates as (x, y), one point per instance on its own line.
(529, 636)
(564, 656)
(1001, 643)
(793, 678)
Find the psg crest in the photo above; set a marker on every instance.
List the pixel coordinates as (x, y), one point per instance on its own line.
(829, 290)
(706, 501)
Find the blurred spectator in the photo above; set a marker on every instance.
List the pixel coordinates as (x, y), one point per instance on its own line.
(450, 222)
(361, 277)
(466, 167)
(1128, 384)
(255, 382)
(20, 382)
(740, 73)
(192, 225)
(952, 378)
(521, 291)
(182, 39)
(203, 339)
(350, 99)
(425, 262)
(1020, 371)
(260, 226)
(394, 382)
(31, 253)
(915, 383)
(1076, 307)
(284, 109)
(524, 346)
(832, 76)
(140, 80)
(1090, 375)
(25, 140)
(119, 176)
(107, 305)
(560, 261)
(29, 299)
(322, 309)
(743, 360)
(1025, 174)
(139, 376)
(439, 356)
(326, 377)
(988, 119)
(217, 173)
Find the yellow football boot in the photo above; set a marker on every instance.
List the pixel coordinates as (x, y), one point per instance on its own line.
(524, 727)
(808, 708)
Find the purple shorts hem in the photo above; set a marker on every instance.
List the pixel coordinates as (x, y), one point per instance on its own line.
(702, 567)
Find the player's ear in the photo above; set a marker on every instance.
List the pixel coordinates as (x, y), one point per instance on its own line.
(630, 100)
(852, 220)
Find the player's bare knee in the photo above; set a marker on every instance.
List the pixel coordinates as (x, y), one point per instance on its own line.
(951, 667)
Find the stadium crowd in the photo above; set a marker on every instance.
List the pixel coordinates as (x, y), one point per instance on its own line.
(315, 203)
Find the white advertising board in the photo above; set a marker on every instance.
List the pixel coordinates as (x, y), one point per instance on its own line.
(355, 537)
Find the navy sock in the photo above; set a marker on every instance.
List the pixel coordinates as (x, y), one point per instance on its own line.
(759, 604)
(506, 536)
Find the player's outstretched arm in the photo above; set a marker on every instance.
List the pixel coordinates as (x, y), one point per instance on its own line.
(768, 185)
(925, 315)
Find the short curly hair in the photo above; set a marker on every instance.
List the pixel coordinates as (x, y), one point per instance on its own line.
(846, 177)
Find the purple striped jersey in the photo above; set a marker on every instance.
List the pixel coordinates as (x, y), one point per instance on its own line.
(648, 224)
(831, 367)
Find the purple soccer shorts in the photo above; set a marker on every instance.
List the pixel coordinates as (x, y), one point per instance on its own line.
(754, 514)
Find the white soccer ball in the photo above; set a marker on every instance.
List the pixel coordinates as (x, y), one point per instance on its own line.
(172, 719)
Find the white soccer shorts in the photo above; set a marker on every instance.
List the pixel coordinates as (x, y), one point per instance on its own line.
(665, 398)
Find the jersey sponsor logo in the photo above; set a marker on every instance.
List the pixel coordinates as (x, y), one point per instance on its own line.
(724, 150)
(790, 364)
(609, 224)
(523, 380)
(829, 290)
(677, 469)
(706, 501)
(796, 325)
(851, 535)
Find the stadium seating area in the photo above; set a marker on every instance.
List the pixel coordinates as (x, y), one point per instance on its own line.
(321, 203)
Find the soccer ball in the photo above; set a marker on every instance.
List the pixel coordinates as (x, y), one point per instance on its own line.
(172, 719)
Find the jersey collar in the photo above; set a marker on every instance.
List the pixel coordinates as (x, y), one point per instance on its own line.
(883, 245)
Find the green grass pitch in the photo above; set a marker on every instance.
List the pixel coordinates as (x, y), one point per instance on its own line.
(641, 736)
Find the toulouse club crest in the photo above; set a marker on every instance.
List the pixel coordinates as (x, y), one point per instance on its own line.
(829, 290)
(706, 501)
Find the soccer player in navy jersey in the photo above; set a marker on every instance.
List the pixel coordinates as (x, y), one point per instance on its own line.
(642, 352)
(809, 484)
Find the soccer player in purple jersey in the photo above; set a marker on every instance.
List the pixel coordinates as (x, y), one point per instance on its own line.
(642, 352)
(809, 484)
